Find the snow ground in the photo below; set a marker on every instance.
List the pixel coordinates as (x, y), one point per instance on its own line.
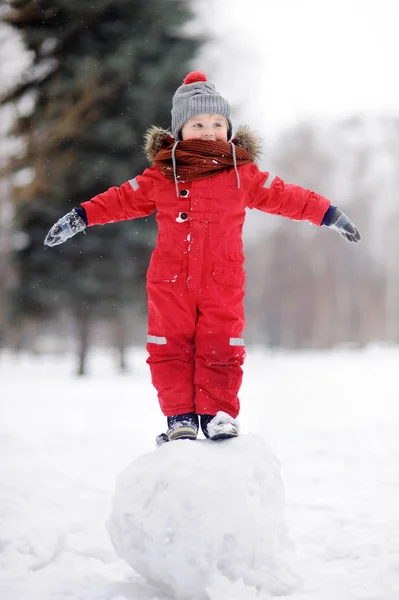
(330, 418)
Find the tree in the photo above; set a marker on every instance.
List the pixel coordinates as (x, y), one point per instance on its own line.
(316, 290)
(101, 73)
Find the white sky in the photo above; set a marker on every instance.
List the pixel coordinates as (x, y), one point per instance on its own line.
(278, 61)
(301, 58)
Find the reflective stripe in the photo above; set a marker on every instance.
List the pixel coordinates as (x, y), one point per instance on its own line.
(155, 339)
(236, 342)
(134, 184)
(270, 178)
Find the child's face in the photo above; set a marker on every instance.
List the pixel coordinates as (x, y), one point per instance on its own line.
(205, 127)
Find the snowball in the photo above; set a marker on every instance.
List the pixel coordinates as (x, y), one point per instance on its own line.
(195, 518)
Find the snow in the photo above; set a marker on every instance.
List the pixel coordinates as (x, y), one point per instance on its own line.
(184, 519)
(222, 423)
(325, 422)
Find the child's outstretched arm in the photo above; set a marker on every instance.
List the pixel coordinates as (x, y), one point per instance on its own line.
(131, 200)
(269, 193)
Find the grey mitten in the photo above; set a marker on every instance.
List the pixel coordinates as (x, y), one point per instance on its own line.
(341, 223)
(66, 227)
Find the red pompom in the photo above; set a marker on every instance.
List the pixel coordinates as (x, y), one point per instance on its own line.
(194, 76)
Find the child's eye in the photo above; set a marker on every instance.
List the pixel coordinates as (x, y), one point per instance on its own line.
(197, 124)
(218, 125)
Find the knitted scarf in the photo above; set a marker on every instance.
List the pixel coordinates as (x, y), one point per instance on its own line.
(197, 159)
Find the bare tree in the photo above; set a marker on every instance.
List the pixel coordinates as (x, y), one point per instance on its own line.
(312, 289)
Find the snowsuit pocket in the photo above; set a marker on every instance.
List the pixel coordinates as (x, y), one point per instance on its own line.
(229, 274)
(163, 272)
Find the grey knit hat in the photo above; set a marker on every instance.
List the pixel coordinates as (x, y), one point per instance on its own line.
(196, 96)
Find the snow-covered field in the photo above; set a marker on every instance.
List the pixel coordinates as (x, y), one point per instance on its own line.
(331, 419)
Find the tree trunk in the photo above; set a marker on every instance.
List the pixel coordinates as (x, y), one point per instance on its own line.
(120, 341)
(83, 325)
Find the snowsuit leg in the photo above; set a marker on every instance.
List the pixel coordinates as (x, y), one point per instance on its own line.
(171, 328)
(219, 349)
(195, 344)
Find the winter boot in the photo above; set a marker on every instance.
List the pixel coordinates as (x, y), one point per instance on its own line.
(182, 427)
(219, 427)
(161, 439)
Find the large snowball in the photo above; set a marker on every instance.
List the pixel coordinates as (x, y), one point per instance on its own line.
(201, 519)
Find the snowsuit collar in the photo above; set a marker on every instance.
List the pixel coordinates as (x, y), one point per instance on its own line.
(245, 138)
(196, 159)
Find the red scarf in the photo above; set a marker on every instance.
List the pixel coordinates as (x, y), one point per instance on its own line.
(197, 159)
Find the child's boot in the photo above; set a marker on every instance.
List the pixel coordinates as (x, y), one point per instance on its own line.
(182, 427)
(219, 427)
(161, 439)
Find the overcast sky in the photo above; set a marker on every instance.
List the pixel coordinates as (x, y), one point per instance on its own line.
(282, 60)
(288, 59)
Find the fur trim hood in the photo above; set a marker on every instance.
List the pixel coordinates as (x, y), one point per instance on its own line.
(244, 137)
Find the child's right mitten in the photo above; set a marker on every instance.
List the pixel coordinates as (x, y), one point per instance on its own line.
(66, 227)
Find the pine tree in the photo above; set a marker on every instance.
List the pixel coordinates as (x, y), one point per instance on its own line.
(102, 72)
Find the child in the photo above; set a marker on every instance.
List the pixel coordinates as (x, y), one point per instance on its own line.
(200, 183)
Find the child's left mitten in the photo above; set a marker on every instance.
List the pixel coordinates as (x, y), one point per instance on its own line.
(341, 223)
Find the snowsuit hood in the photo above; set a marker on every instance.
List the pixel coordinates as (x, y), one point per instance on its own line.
(245, 138)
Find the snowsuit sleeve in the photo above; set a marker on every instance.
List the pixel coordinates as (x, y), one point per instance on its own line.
(269, 193)
(131, 200)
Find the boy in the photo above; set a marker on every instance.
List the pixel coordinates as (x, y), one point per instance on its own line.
(200, 183)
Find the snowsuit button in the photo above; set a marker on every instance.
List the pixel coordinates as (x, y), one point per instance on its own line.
(183, 192)
(183, 216)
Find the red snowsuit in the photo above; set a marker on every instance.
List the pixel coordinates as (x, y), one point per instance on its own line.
(196, 276)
